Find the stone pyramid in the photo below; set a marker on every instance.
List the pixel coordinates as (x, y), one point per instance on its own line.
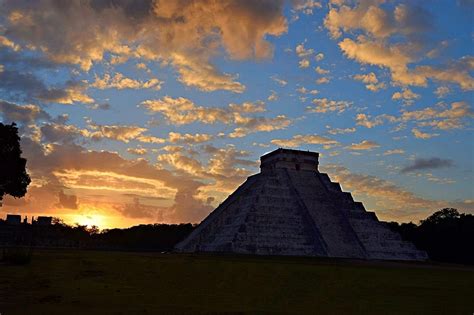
(290, 208)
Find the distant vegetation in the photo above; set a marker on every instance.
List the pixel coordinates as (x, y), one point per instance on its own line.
(151, 237)
(446, 235)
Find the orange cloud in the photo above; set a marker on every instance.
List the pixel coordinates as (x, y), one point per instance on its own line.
(298, 140)
(120, 82)
(324, 105)
(184, 34)
(364, 145)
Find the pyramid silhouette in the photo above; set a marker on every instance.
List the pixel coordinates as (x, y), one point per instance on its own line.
(290, 208)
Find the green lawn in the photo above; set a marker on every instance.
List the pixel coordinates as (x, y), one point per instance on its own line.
(93, 282)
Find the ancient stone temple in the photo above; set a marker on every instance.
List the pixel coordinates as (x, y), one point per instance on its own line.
(290, 208)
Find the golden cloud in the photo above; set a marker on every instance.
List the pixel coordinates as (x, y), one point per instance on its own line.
(298, 140)
(363, 145)
(120, 82)
(184, 34)
(374, 46)
(324, 105)
(180, 111)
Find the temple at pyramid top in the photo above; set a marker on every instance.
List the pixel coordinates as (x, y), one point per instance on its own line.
(290, 208)
(289, 159)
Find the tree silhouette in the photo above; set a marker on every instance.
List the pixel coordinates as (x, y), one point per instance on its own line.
(13, 176)
(446, 235)
(441, 216)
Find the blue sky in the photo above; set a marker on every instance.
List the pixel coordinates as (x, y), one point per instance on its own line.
(156, 111)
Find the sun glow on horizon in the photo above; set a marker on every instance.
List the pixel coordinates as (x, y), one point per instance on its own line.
(89, 220)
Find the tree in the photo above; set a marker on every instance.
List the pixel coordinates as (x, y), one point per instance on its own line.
(441, 216)
(93, 230)
(13, 177)
(58, 221)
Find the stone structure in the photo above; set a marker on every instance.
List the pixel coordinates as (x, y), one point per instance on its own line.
(290, 208)
(44, 221)
(13, 219)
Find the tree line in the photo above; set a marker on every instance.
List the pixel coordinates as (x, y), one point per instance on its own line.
(446, 235)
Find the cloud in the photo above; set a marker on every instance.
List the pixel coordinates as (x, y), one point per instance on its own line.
(227, 166)
(442, 91)
(224, 168)
(364, 145)
(27, 86)
(123, 133)
(304, 90)
(67, 201)
(425, 164)
(377, 22)
(298, 140)
(180, 111)
(175, 137)
(303, 63)
(407, 95)
(440, 117)
(178, 33)
(375, 87)
(248, 107)
(69, 166)
(251, 125)
(324, 105)
(457, 71)
(181, 162)
(120, 82)
(302, 52)
(423, 135)
(391, 201)
(25, 114)
(371, 81)
(395, 57)
(139, 210)
(366, 78)
(322, 80)
(394, 151)
(61, 133)
(188, 207)
(338, 131)
(394, 39)
(101, 106)
(306, 6)
(364, 120)
(280, 82)
(273, 96)
(319, 57)
(5, 42)
(137, 151)
(204, 76)
(320, 70)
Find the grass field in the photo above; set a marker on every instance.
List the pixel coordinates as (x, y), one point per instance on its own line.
(94, 282)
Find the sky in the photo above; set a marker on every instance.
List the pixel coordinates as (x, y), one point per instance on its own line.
(155, 111)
